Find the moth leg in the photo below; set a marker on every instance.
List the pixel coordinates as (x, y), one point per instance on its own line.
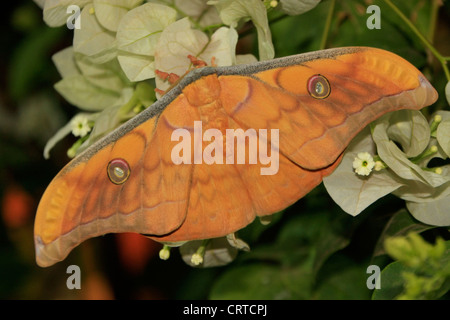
(198, 63)
(213, 62)
(172, 78)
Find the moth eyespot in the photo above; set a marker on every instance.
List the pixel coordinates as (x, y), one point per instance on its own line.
(118, 171)
(319, 87)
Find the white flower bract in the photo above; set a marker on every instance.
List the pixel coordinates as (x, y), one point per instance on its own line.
(80, 126)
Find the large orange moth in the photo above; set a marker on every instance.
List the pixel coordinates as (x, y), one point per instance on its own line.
(127, 181)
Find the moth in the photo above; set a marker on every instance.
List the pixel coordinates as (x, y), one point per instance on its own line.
(129, 182)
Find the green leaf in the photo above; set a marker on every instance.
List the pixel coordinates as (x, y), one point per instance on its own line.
(309, 38)
(333, 237)
(55, 11)
(256, 229)
(421, 272)
(262, 282)
(92, 39)
(110, 12)
(196, 283)
(391, 282)
(233, 11)
(401, 223)
(295, 7)
(29, 63)
(322, 234)
(145, 94)
(288, 267)
(354, 32)
(348, 283)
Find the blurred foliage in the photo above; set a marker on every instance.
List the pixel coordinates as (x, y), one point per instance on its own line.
(421, 272)
(312, 250)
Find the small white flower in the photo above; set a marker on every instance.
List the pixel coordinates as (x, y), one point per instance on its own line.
(379, 165)
(164, 253)
(437, 118)
(363, 164)
(80, 126)
(71, 153)
(197, 259)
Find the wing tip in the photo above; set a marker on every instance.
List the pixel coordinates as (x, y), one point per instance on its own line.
(429, 95)
(43, 259)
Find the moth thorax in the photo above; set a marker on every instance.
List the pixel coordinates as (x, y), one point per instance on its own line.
(203, 91)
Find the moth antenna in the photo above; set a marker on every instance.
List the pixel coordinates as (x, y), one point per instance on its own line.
(161, 92)
(173, 78)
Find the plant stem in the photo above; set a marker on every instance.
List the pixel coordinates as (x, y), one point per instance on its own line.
(433, 19)
(326, 31)
(442, 60)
